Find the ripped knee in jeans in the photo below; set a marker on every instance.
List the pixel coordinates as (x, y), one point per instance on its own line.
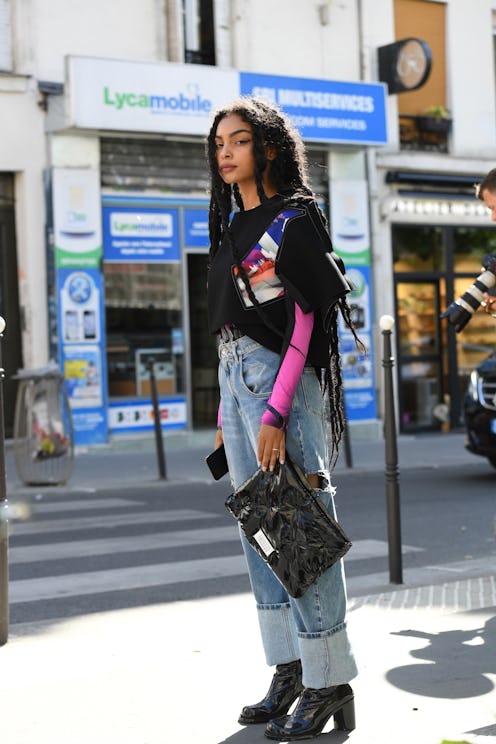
(316, 480)
(320, 480)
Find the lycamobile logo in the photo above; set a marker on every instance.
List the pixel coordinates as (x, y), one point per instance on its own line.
(186, 104)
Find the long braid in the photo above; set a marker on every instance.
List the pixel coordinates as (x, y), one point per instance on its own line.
(237, 197)
(333, 385)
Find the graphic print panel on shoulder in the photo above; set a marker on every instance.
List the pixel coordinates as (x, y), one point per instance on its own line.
(259, 263)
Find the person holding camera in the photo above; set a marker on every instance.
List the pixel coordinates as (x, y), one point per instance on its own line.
(486, 192)
(480, 293)
(490, 304)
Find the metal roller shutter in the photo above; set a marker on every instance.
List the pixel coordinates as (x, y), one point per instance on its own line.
(153, 164)
(177, 167)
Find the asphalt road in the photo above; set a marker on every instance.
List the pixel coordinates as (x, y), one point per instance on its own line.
(79, 553)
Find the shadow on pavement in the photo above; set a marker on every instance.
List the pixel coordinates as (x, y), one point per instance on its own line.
(255, 735)
(484, 731)
(456, 663)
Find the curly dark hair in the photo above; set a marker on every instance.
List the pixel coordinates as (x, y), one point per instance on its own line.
(288, 172)
(288, 169)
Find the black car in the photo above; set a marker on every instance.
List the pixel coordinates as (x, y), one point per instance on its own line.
(479, 408)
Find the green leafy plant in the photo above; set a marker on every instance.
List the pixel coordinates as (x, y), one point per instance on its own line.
(439, 112)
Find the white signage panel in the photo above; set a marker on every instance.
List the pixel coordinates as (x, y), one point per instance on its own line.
(147, 97)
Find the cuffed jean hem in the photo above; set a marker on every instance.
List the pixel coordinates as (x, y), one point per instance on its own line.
(326, 658)
(278, 634)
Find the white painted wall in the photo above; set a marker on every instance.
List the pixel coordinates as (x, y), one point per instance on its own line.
(47, 30)
(22, 151)
(287, 37)
(471, 75)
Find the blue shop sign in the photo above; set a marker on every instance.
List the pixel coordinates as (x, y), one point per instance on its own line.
(196, 228)
(140, 234)
(325, 110)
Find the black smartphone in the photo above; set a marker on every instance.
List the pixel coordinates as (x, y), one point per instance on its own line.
(217, 462)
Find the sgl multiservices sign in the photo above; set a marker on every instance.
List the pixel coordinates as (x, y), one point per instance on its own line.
(325, 110)
(180, 99)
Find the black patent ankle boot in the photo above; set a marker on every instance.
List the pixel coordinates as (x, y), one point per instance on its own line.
(285, 687)
(312, 712)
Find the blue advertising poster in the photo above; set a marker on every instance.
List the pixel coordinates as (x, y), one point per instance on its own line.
(357, 368)
(140, 234)
(195, 223)
(325, 110)
(81, 351)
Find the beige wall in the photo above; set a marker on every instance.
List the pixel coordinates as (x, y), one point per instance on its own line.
(427, 21)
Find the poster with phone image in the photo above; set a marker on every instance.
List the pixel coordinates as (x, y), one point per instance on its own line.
(80, 305)
(89, 325)
(71, 330)
(81, 353)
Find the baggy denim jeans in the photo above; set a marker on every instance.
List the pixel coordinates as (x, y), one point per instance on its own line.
(313, 627)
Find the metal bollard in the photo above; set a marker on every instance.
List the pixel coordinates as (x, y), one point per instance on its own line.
(156, 420)
(4, 522)
(392, 474)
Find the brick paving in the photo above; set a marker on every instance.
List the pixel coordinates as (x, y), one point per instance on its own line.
(454, 596)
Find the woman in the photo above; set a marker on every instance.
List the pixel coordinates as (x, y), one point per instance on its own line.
(273, 293)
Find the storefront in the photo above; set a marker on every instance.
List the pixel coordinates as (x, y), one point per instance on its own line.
(437, 248)
(130, 229)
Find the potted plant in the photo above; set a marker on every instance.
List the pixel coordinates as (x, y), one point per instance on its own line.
(435, 119)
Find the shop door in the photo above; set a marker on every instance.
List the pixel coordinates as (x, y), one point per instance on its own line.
(420, 358)
(9, 309)
(204, 359)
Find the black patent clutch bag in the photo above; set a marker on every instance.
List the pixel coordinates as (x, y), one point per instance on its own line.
(288, 525)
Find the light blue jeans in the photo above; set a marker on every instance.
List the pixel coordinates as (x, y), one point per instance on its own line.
(313, 627)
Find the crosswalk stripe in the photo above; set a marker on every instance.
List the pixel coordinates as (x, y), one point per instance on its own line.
(122, 579)
(40, 507)
(367, 549)
(130, 578)
(111, 545)
(361, 550)
(113, 520)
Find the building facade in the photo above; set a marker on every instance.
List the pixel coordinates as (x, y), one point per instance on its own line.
(103, 190)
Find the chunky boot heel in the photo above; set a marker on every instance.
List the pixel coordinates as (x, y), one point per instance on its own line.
(344, 719)
(314, 709)
(285, 687)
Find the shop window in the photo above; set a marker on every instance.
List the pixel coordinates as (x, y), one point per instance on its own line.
(144, 321)
(476, 340)
(470, 245)
(199, 44)
(434, 266)
(418, 249)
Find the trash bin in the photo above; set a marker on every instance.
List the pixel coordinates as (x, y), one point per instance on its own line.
(43, 431)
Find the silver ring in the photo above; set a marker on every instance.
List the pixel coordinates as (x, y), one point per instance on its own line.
(274, 449)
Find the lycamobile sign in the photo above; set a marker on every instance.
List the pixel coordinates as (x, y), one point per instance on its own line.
(195, 104)
(173, 98)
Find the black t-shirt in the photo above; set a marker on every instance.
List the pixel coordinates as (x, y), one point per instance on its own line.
(286, 253)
